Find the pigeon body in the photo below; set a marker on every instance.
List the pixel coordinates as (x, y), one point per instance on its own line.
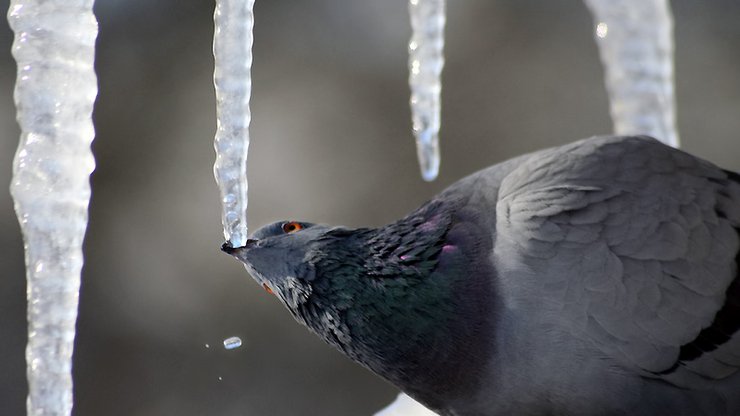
(596, 278)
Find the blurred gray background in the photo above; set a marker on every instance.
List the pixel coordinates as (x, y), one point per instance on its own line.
(331, 142)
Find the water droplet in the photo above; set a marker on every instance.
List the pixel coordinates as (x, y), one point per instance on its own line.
(232, 343)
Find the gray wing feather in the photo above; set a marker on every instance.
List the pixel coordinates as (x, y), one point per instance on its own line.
(636, 243)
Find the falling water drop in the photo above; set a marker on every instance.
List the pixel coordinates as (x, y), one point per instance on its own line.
(232, 51)
(635, 39)
(232, 343)
(426, 61)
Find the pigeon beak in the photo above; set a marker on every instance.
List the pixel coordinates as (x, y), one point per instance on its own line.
(234, 251)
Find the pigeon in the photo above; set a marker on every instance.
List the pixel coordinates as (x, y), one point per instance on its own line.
(595, 278)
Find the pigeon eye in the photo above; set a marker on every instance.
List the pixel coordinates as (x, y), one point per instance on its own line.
(290, 227)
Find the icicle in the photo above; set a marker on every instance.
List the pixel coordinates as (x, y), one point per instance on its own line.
(54, 48)
(425, 68)
(232, 50)
(636, 44)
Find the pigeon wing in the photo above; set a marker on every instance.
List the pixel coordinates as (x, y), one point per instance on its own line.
(635, 246)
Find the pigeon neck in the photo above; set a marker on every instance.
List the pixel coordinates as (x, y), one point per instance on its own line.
(411, 303)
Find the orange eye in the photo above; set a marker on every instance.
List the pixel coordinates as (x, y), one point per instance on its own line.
(267, 288)
(290, 227)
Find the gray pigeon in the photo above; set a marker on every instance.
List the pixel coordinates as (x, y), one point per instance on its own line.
(596, 278)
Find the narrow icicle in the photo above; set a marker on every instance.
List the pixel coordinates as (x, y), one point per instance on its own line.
(425, 69)
(55, 89)
(232, 50)
(635, 39)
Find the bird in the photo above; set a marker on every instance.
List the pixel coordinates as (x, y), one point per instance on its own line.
(599, 277)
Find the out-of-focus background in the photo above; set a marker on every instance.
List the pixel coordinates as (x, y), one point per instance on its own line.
(331, 142)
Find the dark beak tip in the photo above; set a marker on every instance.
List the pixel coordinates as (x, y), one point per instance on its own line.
(228, 248)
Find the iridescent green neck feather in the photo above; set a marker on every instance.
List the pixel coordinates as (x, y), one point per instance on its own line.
(396, 299)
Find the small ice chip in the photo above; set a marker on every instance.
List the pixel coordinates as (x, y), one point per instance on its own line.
(232, 343)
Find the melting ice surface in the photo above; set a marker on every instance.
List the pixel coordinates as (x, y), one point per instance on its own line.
(425, 69)
(232, 50)
(54, 48)
(232, 343)
(635, 39)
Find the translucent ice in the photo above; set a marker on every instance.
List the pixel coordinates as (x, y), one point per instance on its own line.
(425, 69)
(54, 48)
(232, 50)
(635, 39)
(232, 343)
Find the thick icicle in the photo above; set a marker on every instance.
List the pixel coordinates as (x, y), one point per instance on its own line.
(425, 69)
(635, 39)
(55, 90)
(232, 50)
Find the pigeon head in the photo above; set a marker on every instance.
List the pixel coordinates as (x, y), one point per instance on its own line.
(276, 257)
(393, 298)
(319, 270)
